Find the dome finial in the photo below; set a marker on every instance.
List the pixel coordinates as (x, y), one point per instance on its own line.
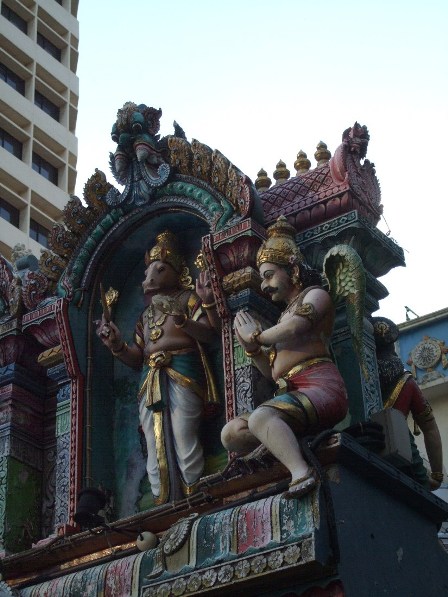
(302, 163)
(322, 154)
(281, 172)
(262, 182)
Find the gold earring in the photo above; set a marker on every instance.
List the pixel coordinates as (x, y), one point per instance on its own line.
(296, 280)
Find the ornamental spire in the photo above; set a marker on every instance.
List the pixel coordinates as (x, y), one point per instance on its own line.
(302, 163)
(281, 172)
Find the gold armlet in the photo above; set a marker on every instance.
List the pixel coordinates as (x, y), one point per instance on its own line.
(209, 305)
(123, 348)
(181, 325)
(308, 311)
(437, 477)
(253, 353)
(425, 416)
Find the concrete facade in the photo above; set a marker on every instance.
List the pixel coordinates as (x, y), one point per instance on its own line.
(39, 93)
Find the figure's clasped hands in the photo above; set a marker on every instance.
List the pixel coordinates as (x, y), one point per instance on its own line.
(247, 329)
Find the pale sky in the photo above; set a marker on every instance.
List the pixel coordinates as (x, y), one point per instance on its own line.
(261, 80)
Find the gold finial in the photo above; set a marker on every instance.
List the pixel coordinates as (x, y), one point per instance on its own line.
(322, 154)
(302, 163)
(263, 182)
(281, 172)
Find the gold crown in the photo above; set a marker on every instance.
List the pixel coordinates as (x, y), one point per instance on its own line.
(166, 250)
(280, 247)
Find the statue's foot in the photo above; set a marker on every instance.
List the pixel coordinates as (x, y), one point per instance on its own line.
(302, 486)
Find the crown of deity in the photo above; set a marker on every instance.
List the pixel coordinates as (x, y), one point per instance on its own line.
(166, 250)
(280, 246)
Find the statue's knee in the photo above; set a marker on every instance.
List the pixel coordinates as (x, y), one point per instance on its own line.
(258, 419)
(232, 433)
(227, 435)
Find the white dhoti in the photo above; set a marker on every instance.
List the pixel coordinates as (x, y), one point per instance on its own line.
(173, 434)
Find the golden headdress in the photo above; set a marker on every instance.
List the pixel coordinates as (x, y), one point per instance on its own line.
(166, 250)
(280, 247)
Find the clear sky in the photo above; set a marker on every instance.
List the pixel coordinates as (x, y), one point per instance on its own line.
(261, 80)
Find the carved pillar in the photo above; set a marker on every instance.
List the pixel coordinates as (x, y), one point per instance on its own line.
(364, 395)
(231, 256)
(22, 393)
(63, 415)
(55, 509)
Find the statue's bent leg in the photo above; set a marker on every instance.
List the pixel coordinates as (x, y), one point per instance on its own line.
(147, 422)
(269, 426)
(186, 409)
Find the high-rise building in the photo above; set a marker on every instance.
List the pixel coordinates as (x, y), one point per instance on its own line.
(39, 93)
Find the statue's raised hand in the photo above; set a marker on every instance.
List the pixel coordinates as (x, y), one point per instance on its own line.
(204, 287)
(108, 333)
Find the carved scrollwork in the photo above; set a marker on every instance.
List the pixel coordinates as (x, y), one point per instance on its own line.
(202, 160)
(95, 190)
(51, 265)
(219, 174)
(62, 241)
(77, 218)
(180, 154)
(35, 288)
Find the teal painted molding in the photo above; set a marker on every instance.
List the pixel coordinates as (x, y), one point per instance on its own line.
(220, 210)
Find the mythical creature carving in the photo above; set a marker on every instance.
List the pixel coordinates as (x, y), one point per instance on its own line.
(346, 167)
(138, 162)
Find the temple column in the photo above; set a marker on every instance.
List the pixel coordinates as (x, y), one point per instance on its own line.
(22, 397)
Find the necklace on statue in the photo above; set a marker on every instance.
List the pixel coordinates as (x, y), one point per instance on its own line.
(291, 303)
(156, 331)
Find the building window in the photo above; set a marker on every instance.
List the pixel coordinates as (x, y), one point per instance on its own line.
(45, 169)
(11, 144)
(46, 105)
(13, 80)
(48, 46)
(39, 233)
(59, 2)
(9, 213)
(14, 18)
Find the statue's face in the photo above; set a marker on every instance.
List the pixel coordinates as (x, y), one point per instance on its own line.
(276, 282)
(160, 276)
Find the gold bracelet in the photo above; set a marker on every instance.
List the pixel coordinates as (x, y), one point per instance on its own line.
(123, 348)
(181, 325)
(437, 477)
(254, 337)
(209, 305)
(254, 353)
